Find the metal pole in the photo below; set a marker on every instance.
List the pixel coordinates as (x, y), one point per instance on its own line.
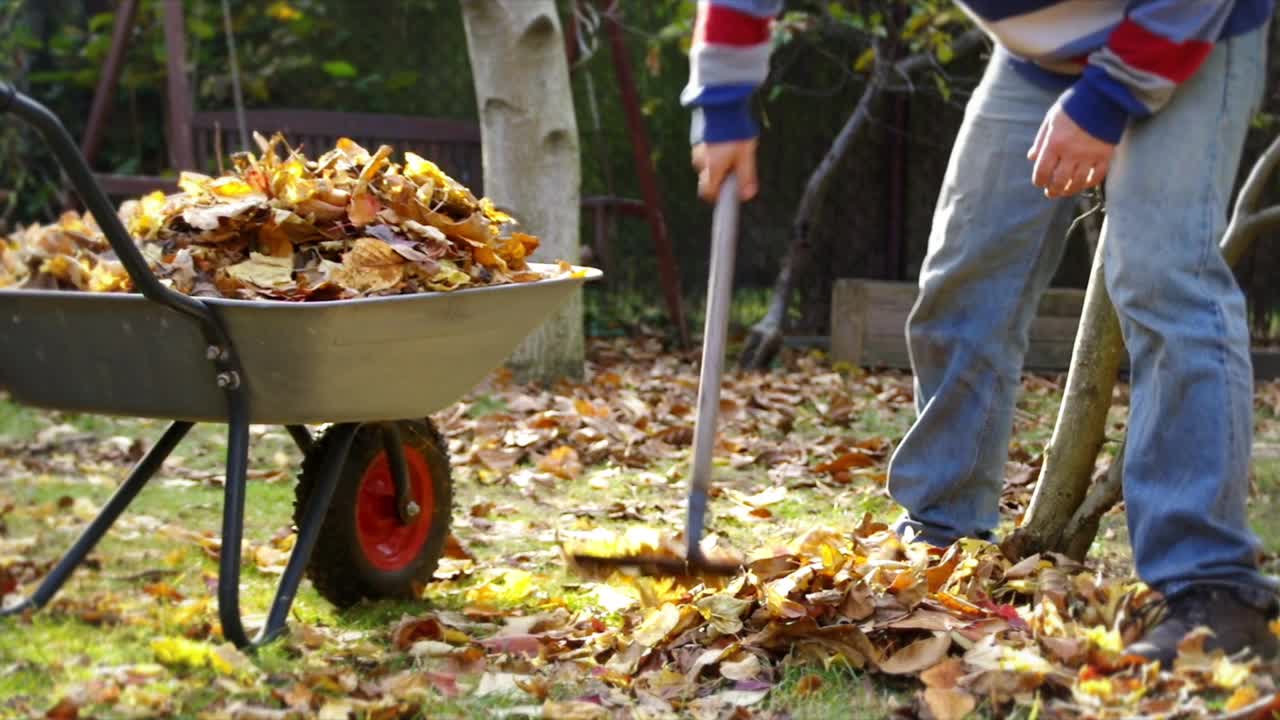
(724, 236)
(237, 95)
(104, 94)
(308, 533)
(648, 178)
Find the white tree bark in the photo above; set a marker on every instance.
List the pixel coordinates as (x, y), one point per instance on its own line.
(530, 154)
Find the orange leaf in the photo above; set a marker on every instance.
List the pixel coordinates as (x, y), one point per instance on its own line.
(363, 209)
(562, 462)
(847, 461)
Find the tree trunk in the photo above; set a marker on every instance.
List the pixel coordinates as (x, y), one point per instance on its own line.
(1065, 512)
(765, 338)
(530, 154)
(1082, 419)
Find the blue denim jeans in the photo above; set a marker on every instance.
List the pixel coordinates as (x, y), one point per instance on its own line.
(995, 245)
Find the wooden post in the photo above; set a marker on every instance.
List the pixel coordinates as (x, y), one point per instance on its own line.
(648, 178)
(106, 90)
(181, 154)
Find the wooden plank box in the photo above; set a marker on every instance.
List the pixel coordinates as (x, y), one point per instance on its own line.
(869, 320)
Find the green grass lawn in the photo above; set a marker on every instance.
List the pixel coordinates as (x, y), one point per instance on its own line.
(151, 578)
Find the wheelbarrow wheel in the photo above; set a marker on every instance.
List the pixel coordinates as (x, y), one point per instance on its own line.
(364, 549)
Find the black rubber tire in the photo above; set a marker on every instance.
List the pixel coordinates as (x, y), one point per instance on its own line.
(338, 567)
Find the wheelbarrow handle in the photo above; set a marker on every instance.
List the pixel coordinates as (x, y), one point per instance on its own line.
(77, 170)
(222, 353)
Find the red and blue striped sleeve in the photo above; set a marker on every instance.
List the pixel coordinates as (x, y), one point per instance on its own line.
(728, 61)
(1157, 46)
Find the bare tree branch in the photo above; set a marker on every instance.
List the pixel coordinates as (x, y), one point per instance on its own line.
(964, 44)
(765, 338)
(1257, 180)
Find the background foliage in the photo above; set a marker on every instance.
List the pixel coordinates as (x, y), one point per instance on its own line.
(409, 57)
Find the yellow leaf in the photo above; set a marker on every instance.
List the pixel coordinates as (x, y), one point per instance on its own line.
(1024, 661)
(179, 651)
(1229, 675)
(507, 588)
(283, 11)
(780, 606)
(1105, 639)
(612, 599)
(448, 277)
(1098, 687)
(263, 271)
(1243, 697)
(865, 61)
(109, 277)
(192, 183)
(723, 611)
(231, 187)
(657, 625)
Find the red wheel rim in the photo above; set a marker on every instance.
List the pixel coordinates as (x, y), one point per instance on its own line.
(386, 543)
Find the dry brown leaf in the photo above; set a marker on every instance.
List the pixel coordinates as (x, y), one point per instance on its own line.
(747, 667)
(562, 462)
(919, 655)
(943, 675)
(948, 703)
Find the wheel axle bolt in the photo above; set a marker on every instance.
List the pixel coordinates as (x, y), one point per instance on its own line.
(411, 509)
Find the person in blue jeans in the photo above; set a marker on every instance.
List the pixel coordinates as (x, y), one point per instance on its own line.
(1152, 97)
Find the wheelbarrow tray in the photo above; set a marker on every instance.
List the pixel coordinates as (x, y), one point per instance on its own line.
(340, 361)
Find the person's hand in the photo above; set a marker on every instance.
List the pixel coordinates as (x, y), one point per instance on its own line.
(1068, 160)
(713, 161)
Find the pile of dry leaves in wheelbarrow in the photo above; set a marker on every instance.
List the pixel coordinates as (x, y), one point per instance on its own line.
(280, 226)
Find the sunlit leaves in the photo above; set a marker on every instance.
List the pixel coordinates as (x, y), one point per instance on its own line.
(351, 223)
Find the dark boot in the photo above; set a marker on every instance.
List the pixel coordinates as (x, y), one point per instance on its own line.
(1236, 625)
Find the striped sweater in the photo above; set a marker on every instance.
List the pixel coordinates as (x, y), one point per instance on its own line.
(1113, 60)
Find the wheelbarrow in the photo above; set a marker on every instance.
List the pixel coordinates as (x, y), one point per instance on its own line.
(374, 495)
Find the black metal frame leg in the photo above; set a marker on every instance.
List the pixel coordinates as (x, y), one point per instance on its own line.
(233, 532)
(393, 444)
(142, 472)
(301, 436)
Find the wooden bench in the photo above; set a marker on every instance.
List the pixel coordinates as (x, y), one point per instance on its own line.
(869, 318)
(452, 144)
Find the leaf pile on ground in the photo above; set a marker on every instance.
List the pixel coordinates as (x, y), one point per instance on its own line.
(347, 224)
(828, 597)
(1045, 632)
